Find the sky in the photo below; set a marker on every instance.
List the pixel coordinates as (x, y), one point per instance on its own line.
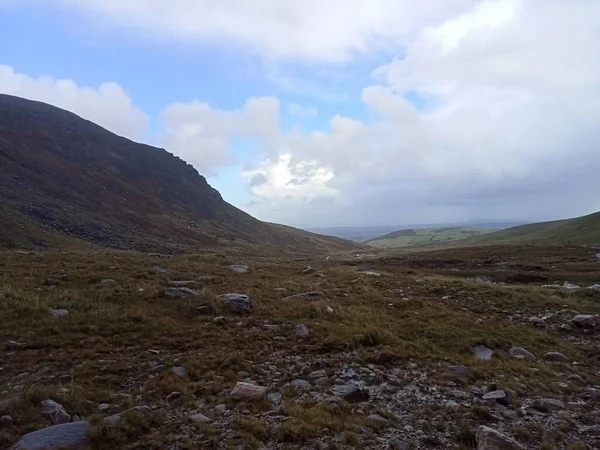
(336, 112)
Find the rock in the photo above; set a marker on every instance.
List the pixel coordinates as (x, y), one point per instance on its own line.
(378, 419)
(13, 345)
(6, 421)
(490, 439)
(521, 353)
(187, 284)
(567, 285)
(220, 320)
(552, 404)
(397, 444)
(173, 396)
(180, 292)
(555, 357)
(59, 313)
(552, 286)
(584, 321)
(591, 431)
(537, 322)
(115, 419)
(236, 302)
(461, 395)
(301, 384)
(108, 281)
(329, 309)
(458, 371)
(103, 407)
(370, 273)
(498, 396)
(311, 296)
(55, 412)
(221, 409)
(200, 418)
(577, 378)
(158, 271)
(239, 268)
(180, 371)
(275, 398)
(318, 374)
(302, 331)
(67, 436)
(247, 391)
(351, 392)
(308, 270)
(483, 352)
(323, 382)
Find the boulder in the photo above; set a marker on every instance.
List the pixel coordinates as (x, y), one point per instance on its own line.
(275, 398)
(59, 313)
(200, 418)
(351, 392)
(55, 412)
(552, 404)
(380, 420)
(236, 302)
(584, 321)
(490, 439)
(67, 436)
(498, 396)
(458, 371)
(247, 391)
(537, 322)
(521, 353)
(180, 372)
(239, 268)
(555, 357)
(180, 292)
(311, 296)
(483, 352)
(302, 331)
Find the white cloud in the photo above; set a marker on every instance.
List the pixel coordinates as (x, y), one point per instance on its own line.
(107, 105)
(302, 112)
(313, 30)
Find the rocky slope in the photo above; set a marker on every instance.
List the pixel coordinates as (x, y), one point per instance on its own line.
(61, 173)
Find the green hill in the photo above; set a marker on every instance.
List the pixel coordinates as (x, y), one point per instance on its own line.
(405, 238)
(579, 231)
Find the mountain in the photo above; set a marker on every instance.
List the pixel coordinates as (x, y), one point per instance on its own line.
(63, 178)
(578, 231)
(405, 238)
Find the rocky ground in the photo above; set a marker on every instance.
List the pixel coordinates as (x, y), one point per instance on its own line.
(490, 348)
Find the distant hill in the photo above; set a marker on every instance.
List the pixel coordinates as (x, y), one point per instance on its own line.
(65, 179)
(578, 231)
(405, 238)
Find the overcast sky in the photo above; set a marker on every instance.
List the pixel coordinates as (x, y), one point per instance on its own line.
(336, 112)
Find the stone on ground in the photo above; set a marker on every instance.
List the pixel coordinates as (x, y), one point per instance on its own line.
(302, 331)
(521, 353)
(180, 372)
(59, 313)
(67, 436)
(585, 321)
(312, 296)
(180, 292)
(239, 268)
(55, 412)
(236, 302)
(555, 357)
(490, 439)
(483, 352)
(200, 418)
(247, 391)
(351, 392)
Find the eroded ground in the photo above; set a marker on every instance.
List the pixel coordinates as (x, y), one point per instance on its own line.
(386, 360)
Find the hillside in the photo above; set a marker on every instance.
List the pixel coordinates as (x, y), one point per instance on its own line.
(405, 238)
(63, 177)
(578, 231)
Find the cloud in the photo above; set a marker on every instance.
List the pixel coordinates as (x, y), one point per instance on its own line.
(312, 30)
(257, 180)
(107, 105)
(302, 112)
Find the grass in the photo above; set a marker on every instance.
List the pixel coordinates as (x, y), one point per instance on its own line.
(104, 350)
(406, 238)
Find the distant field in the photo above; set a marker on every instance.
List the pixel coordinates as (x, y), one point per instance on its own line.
(405, 238)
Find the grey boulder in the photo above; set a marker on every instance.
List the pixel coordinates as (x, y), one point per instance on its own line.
(236, 302)
(490, 439)
(67, 436)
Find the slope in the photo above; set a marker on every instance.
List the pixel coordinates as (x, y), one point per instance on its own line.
(61, 173)
(410, 237)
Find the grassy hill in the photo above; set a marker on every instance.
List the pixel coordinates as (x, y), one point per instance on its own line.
(405, 238)
(578, 231)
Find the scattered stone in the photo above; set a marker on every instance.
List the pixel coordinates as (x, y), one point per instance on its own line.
(378, 419)
(458, 371)
(552, 403)
(555, 357)
(239, 268)
(236, 302)
(205, 278)
(461, 395)
(302, 331)
(308, 270)
(397, 444)
(521, 353)
(370, 273)
(567, 285)
(329, 309)
(158, 271)
(312, 296)
(59, 313)
(577, 378)
(173, 396)
(6, 421)
(584, 321)
(490, 439)
(187, 284)
(351, 392)
(482, 352)
(108, 281)
(103, 407)
(55, 412)
(247, 391)
(200, 418)
(180, 292)
(67, 436)
(301, 384)
(537, 322)
(221, 409)
(13, 345)
(220, 320)
(318, 374)
(498, 396)
(180, 371)
(552, 286)
(592, 431)
(275, 398)
(595, 287)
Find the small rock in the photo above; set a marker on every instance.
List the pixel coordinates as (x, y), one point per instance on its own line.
(458, 371)
(239, 268)
(311, 296)
(520, 352)
(13, 345)
(173, 396)
(55, 412)
(318, 374)
(205, 278)
(301, 384)
(247, 391)
(108, 281)
(6, 421)
(370, 273)
(59, 313)
(498, 396)
(351, 392)
(490, 439)
(180, 371)
(220, 320)
(537, 322)
(302, 331)
(200, 418)
(329, 309)
(308, 270)
(187, 284)
(103, 407)
(221, 409)
(584, 321)
(592, 431)
(180, 292)
(158, 271)
(236, 302)
(275, 398)
(552, 403)
(67, 436)
(397, 444)
(378, 419)
(482, 352)
(555, 357)
(567, 285)
(577, 378)
(595, 287)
